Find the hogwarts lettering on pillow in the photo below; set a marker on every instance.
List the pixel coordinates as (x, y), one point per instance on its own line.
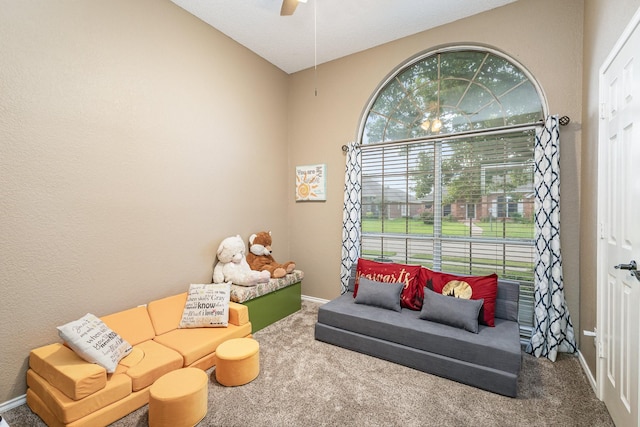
(387, 272)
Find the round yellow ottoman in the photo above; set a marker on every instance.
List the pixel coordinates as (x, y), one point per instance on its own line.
(179, 398)
(237, 361)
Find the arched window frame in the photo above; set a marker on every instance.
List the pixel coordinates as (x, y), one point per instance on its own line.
(436, 139)
(440, 50)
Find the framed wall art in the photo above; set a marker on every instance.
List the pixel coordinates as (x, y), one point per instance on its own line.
(311, 182)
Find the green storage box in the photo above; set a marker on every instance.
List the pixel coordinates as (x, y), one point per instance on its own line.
(269, 308)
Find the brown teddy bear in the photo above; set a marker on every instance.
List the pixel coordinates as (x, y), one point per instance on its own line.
(260, 259)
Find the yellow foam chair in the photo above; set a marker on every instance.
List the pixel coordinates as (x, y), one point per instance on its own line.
(237, 361)
(179, 398)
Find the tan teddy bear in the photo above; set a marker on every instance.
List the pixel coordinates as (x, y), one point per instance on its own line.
(260, 259)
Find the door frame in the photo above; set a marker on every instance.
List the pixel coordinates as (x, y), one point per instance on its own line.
(601, 268)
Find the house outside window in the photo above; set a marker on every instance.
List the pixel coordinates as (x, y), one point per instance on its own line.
(447, 151)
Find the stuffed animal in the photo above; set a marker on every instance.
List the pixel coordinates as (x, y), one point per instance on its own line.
(232, 265)
(260, 259)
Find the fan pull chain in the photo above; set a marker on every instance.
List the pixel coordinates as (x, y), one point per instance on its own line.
(315, 47)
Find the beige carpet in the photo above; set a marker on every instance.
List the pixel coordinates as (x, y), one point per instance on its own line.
(304, 382)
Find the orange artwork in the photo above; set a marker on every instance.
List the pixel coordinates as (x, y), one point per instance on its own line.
(310, 183)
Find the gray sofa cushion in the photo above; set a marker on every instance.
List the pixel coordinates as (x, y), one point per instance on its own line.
(456, 312)
(494, 347)
(352, 277)
(378, 294)
(507, 300)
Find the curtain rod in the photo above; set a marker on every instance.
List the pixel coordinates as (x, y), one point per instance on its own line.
(564, 120)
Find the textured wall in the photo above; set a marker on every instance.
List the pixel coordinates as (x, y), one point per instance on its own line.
(132, 139)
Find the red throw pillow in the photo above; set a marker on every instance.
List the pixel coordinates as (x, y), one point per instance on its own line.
(387, 272)
(479, 287)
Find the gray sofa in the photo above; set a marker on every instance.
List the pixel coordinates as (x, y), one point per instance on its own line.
(489, 360)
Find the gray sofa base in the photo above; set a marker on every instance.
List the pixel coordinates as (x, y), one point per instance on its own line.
(467, 373)
(489, 360)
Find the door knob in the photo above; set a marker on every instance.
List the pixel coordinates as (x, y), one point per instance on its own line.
(632, 267)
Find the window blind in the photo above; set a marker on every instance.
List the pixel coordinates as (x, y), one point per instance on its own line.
(461, 205)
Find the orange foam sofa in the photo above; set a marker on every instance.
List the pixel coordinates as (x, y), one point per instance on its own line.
(65, 390)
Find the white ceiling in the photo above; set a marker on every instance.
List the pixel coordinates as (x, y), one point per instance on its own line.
(342, 27)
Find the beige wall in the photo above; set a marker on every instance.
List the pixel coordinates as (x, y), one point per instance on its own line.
(604, 23)
(320, 125)
(133, 139)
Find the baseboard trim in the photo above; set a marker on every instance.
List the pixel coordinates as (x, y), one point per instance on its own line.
(13, 403)
(314, 299)
(587, 371)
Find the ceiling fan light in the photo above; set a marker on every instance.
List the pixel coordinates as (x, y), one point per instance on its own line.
(425, 125)
(436, 125)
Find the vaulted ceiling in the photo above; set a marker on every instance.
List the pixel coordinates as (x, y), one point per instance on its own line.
(323, 30)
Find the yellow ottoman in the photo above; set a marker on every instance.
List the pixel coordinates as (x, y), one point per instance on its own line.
(179, 398)
(237, 361)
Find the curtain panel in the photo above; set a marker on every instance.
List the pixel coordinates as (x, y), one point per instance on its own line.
(553, 330)
(351, 212)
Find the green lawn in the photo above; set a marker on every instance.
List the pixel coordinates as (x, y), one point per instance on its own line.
(451, 228)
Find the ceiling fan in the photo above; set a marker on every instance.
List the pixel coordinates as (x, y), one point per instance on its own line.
(289, 6)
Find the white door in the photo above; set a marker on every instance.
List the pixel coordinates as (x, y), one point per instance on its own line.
(619, 221)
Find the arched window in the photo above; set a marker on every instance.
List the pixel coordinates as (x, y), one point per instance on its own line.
(447, 166)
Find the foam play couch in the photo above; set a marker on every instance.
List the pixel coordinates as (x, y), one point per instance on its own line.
(438, 334)
(65, 390)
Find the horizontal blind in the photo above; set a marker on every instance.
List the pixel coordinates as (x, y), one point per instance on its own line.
(460, 205)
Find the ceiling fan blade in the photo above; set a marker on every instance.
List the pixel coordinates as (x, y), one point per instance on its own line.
(288, 7)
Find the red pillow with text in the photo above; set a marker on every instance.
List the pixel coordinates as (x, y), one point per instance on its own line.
(388, 272)
(468, 287)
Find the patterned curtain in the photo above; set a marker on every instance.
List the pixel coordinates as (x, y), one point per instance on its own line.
(351, 213)
(553, 331)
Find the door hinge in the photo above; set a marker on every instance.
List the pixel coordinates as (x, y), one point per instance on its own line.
(603, 111)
